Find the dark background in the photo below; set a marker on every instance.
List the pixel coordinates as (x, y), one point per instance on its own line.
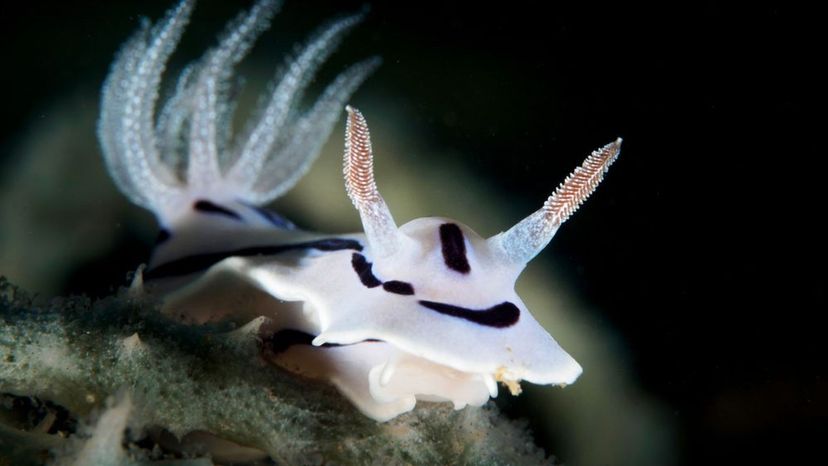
(706, 254)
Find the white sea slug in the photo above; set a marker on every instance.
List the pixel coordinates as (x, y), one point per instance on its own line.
(425, 311)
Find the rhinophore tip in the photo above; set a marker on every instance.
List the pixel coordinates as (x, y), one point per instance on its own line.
(358, 168)
(525, 240)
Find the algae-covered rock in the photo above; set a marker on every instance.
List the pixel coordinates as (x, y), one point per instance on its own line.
(209, 382)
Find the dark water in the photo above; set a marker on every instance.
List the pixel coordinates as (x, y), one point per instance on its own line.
(701, 251)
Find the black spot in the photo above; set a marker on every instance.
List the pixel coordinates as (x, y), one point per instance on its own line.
(363, 269)
(502, 315)
(211, 208)
(454, 248)
(163, 235)
(280, 341)
(398, 287)
(198, 262)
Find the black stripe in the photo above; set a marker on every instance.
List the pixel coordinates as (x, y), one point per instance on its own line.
(273, 218)
(454, 248)
(280, 341)
(398, 287)
(502, 315)
(211, 208)
(363, 269)
(198, 262)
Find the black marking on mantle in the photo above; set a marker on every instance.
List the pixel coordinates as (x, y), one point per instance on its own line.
(211, 208)
(398, 287)
(281, 341)
(501, 315)
(454, 248)
(199, 262)
(363, 269)
(273, 218)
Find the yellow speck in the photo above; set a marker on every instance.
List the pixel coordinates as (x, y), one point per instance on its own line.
(511, 384)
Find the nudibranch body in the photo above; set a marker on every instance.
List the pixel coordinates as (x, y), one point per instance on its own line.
(425, 311)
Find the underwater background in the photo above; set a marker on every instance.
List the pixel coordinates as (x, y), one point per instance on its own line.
(690, 286)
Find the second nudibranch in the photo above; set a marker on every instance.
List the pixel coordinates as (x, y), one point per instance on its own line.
(423, 311)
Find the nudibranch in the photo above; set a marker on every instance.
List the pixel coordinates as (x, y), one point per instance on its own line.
(424, 311)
